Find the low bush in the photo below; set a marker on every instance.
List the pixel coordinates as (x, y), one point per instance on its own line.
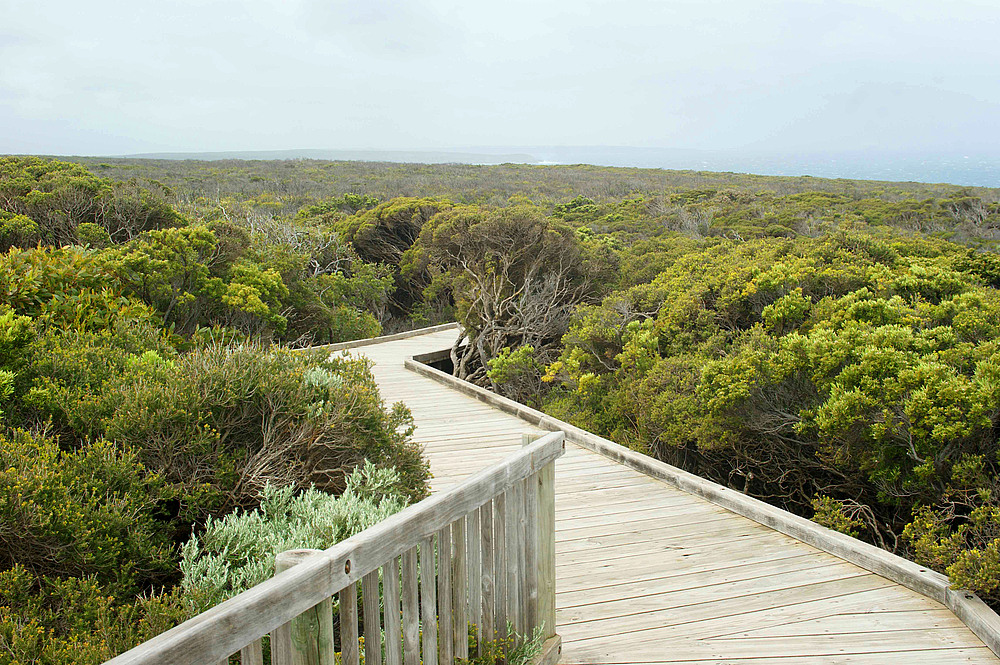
(54, 620)
(237, 552)
(87, 512)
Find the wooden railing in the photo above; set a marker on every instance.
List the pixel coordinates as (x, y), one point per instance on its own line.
(480, 554)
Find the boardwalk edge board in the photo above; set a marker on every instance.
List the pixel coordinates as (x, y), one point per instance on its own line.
(370, 341)
(968, 607)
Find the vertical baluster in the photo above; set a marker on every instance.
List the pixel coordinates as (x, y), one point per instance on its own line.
(475, 571)
(411, 616)
(531, 551)
(513, 559)
(390, 602)
(252, 654)
(428, 601)
(500, 564)
(488, 584)
(446, 638)
(460, 598)
(522, 560)
(373, 619)
(349, 625)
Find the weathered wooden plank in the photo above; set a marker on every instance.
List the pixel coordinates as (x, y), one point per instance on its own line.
(390, 609)
(460, 591)
(500, 565)
(870, 603)
(252, 654)
(660, 614)
(487, 584)
(617, 555)
(371, 608)
(522, 558)
(691, 515)
(569, 498)
(349, 653)
(474, 573)
(641, 503)
(664, 579)
(532, 561)
(951, 656)
(428, 602)
(678, 529)
(868, 622)
(514, 544)
(821, 645)
(411, 616)
(446, 621)
(601, 516)
(546, 576)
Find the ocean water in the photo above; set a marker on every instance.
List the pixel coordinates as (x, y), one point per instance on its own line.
(958, 169)
(965, 170)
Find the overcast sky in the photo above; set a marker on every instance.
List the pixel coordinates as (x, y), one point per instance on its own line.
(103, 77)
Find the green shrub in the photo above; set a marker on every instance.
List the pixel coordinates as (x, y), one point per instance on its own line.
(56, 198)
(510, 649)
(237, 552)
(67, 288)
(834, 514)
(517, 374)
(75, 374)
(17, 230)
(93, 235)
(220, 422)
(87, 512)
(63, 621)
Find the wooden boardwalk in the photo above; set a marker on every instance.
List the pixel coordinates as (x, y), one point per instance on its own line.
(647, 573)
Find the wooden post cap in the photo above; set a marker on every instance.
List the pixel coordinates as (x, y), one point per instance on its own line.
(290, 558)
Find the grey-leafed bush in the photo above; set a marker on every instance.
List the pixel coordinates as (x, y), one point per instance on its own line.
(237, 552)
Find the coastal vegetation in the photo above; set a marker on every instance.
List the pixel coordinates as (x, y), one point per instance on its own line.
(829, 346)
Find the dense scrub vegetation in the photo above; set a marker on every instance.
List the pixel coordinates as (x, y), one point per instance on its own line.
(142, 397)
(828, 345)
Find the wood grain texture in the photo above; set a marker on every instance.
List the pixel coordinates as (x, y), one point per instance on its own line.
(500, 565)
(308, 639)
(547, 591)
(446, 623)
(252, 654)
(411, 612)
(349, 625)
(391, 620)
(531, 536)
(428, 602)
(371, 610)
(460, 588)
(487, 580)
(474, 568)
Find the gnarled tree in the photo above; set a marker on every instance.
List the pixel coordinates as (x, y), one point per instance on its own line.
(515, 277)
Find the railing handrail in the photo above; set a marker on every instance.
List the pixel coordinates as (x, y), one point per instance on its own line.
(226, 628)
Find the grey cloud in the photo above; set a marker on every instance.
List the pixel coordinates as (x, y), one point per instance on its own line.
(413, 74)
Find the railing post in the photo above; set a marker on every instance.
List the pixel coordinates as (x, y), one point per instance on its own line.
(547, 548)
(308, 638)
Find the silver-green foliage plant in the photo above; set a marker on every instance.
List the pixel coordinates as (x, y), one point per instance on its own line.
(237, 552)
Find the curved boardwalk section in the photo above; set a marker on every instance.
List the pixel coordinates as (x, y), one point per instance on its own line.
(647, 573)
